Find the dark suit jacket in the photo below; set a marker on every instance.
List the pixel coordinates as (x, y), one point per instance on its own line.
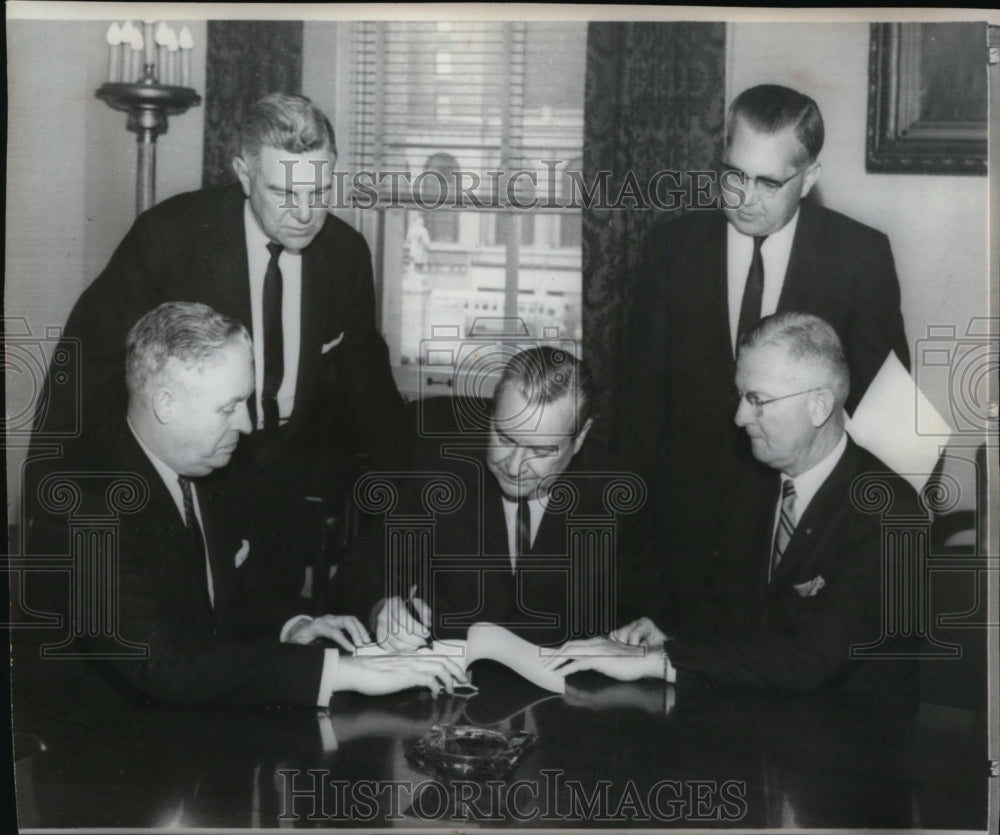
(679, 380)
(192, 247)
(742, 630)
(465, 574)
(196, 653)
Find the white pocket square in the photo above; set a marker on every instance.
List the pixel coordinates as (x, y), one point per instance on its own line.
(333, 343)
(812, 587)
(242, 554)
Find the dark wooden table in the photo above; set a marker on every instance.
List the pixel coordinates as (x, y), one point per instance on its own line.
(608, 756)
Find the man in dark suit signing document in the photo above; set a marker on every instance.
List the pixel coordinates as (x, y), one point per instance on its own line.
(799, 580)
(267, 252)
(159, 605)
(547, 535)
(710, 275)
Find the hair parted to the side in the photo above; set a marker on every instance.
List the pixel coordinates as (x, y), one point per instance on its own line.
(193, 334)
(544, 374)
(771, 108)
(804, 338)
(289, 123)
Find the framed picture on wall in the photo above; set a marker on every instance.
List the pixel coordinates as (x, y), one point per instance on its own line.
(927, 98)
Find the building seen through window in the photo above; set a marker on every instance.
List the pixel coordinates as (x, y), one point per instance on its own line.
(469, 129)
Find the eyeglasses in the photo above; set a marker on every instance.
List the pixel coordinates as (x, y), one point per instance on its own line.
(766, 187)
(757, 404)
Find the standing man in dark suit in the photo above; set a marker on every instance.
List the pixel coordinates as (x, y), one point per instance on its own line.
(187, 627)
(268, 253)
(549, 539)
(800, 579)
(709, 276)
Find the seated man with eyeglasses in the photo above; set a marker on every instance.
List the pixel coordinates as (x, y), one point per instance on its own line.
(710, 275)
(546, 535)
(799, 584)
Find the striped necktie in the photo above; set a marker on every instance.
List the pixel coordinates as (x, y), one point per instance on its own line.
(786, 524)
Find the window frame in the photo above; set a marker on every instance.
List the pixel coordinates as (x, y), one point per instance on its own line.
(384, 224)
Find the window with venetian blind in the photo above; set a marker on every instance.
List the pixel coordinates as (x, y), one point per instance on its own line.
(463, 134)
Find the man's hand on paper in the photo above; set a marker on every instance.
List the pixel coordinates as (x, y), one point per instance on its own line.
(403, 625)
(344, 630)
(604, 655)
(377, 675)
(640, 632)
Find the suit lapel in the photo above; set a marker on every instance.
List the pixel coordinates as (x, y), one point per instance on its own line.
(315, 287)
(161, 505)
(220, 558)
(717, 270)
(226, 262)
(542, 543)
(800, 275)
(494, 542)
(162, 510)
(820, 516)
(765, 540)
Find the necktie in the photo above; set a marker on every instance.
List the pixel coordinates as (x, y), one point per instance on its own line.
(753, 293)
(786, 524)
(523, 528)
(194, 529)
(274, 350)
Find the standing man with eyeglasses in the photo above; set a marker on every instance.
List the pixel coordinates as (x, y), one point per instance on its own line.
(710, 276)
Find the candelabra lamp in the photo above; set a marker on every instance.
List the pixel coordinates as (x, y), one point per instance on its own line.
(143, 95)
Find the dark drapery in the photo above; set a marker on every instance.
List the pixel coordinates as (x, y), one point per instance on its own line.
(654, 101)
(245, 60)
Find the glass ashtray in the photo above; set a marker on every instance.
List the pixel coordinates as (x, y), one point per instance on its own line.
(469, 752)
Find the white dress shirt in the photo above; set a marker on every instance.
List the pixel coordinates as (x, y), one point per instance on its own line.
(290, 264)
(775, 252)
(807, 484)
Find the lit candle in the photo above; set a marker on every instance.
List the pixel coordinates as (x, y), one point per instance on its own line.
(114, 39)
(127, 30)
(137, 50)
(185, 42)
(172, 57)
(149, 45)
(162, 39)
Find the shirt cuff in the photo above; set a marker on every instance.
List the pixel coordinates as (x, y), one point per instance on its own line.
(283, 637)
(327, 734)
(327, 680)
(669, 670)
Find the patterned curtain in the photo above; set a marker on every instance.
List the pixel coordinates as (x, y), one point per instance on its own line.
(654, 101)
(245, 60)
